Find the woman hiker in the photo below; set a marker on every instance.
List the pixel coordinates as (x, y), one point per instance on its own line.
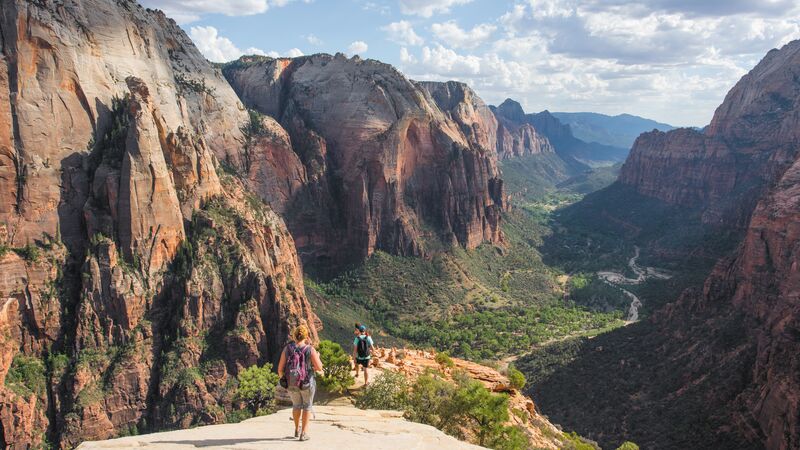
(362, 351)
(298, 362)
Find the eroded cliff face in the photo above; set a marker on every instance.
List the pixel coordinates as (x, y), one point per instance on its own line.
(138, 278)
(386, 167)
(752, 139)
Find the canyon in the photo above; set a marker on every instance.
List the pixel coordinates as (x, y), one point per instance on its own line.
(164, 222)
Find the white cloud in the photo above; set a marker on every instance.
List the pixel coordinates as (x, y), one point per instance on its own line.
(187, 11)
(427, 8)
(213, 46)
(451, 34)
(406, 57)
(402, 33)
(313, 40)
(294, 53)
(218, 48)
(357, 48)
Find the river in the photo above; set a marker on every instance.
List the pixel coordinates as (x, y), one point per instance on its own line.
(617, 279)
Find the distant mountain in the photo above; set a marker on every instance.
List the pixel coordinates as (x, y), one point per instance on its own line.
(617, 131)
(576, 153)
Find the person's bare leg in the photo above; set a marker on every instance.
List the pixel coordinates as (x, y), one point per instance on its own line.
(296, 417)
(366, 377)
(306, 413)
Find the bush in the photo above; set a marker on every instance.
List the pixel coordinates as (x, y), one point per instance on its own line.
(257, 388)
(26, 376)
(444, 360)
(516, 378)
(628, 445)
(388, 391)
(336, 362)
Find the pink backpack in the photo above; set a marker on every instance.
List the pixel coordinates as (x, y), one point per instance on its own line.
(297, 365)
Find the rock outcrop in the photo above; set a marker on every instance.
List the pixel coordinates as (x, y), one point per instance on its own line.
(386, 167)
(522, 411)
(139, 278)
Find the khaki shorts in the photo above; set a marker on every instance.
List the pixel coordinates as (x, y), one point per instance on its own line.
(303, 398)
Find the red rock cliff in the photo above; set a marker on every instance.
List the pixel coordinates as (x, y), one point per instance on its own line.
(751, 140)
(386, 167)
(137, 278)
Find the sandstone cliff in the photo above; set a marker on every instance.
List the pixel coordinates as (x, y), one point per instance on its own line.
(129, 259)
(752, 139)
(385, 166)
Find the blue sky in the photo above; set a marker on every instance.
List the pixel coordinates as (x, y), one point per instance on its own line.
(670, 60)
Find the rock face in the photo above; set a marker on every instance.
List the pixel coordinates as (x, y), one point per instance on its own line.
(138, 279)
(752, 139)
(729, 353)
(386, 165)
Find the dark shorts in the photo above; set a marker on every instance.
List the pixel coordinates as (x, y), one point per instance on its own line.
(363, 362)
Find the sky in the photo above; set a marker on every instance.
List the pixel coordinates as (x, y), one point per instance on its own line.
(668, 60)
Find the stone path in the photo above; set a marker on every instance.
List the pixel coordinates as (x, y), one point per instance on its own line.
(335, 427)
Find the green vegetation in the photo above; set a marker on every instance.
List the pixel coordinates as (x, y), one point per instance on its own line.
(109, 148)
(185, 84)
(257, 388)
(516, 378)
(444, 360)
(252, 130)
(388, 391)
(30, 252)
(627, 445)
(27, 376)
(574, 442)
(452, 406)
(479, 304)
(336, 363)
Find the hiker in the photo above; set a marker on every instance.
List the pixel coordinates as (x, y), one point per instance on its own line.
(298, 362)
(357, 333)
(362, 351)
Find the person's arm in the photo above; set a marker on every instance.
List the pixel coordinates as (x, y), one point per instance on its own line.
(316, 361)
(282, 363)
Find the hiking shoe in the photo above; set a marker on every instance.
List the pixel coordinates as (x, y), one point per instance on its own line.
(304, 437)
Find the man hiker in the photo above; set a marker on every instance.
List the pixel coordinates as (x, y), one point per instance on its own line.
(362, 351)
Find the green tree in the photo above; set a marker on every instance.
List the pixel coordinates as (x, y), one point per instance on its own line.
(429, 399)
(516, 378)
(444, 360)
(628, 445)
(388, 391)
(257, 388)
(336, 375)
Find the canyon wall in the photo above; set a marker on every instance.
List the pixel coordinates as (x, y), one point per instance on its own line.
(138, 279)
(386, 166)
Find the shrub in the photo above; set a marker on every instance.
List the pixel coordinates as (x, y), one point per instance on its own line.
(29, 252)
(444, 360)
(628, 445)
(388, 391)
(336, 375)
(257, 388)
(516, 378)
(428, 400)
(27, 376)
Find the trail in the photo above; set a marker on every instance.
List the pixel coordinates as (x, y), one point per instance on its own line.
(616, 279)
